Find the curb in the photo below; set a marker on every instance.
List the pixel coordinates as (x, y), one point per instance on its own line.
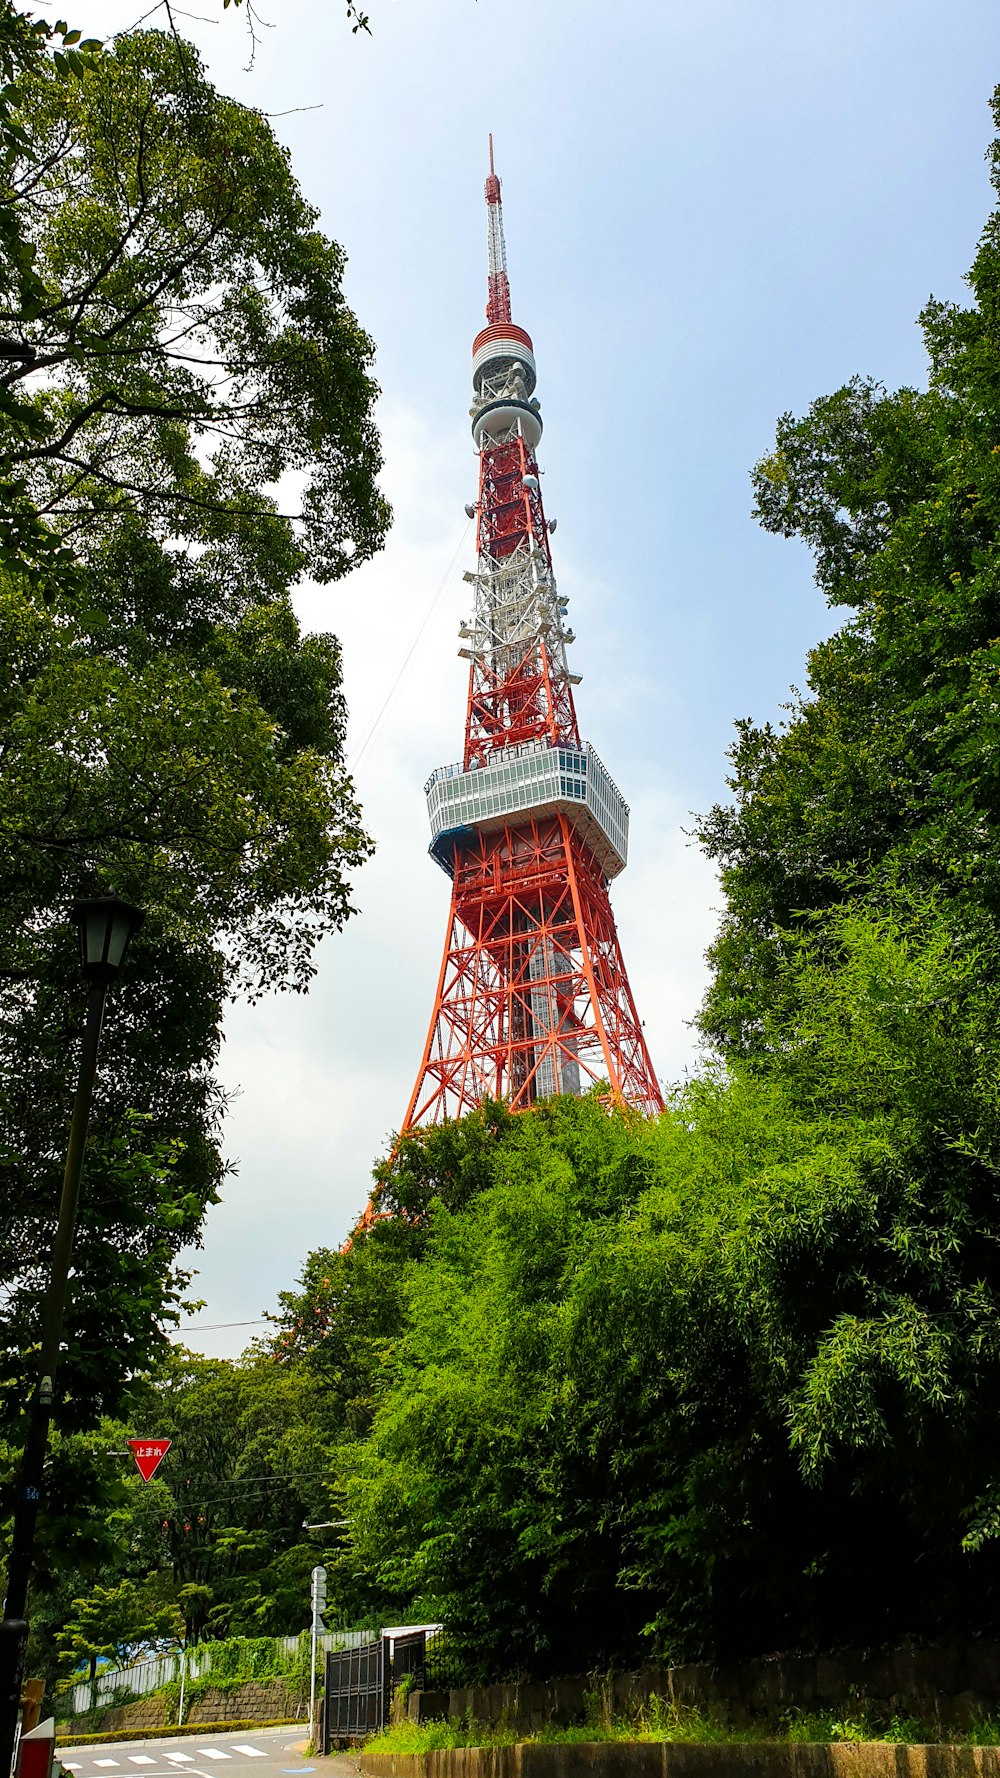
(167, 1731)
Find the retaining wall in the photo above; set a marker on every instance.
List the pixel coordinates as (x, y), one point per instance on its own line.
(270, 1700)
(678, 1759)
(949, 1685)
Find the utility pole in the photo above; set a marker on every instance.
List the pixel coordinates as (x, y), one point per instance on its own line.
(106, 925)
(318, 1608)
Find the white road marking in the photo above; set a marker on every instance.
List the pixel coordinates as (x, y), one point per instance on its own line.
(214, 1753)
(140, 1759)
(180, 1759)
(106, 1762)
(251, 1752)
(171, 1771)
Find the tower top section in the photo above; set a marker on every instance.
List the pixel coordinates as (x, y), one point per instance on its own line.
(520, 689)
(498, 299)
(499, 345)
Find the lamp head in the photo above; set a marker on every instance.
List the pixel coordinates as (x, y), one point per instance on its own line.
(105, 925)
(16, 351)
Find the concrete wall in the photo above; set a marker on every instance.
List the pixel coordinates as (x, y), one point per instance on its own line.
(718, 1759)
(270, 1700)
(952, 1685)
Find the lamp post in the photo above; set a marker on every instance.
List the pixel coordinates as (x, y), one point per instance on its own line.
(105, 926)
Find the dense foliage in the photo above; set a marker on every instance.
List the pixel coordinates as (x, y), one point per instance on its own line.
(175, 342)
(713, 1386)
(215, 1544)
(886, 772)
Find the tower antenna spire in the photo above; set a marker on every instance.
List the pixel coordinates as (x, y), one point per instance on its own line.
(498, 299)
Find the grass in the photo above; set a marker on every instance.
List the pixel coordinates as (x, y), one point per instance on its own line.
(663, 1721)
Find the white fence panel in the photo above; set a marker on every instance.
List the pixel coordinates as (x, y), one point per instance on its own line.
(148, 1675)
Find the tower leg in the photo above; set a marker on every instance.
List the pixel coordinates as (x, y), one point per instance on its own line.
(533, 997)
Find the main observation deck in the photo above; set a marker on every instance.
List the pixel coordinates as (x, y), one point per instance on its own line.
(535, 779)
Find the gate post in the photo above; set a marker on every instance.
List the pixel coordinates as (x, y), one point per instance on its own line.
(324, 1706)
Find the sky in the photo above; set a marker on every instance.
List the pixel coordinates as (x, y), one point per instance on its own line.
(715, 213)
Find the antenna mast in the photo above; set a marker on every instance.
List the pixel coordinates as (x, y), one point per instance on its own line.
(498, 302)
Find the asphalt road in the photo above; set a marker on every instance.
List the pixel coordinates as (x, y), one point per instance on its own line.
(267, 1753)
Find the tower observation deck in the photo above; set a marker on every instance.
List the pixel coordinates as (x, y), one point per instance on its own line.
(532, 996)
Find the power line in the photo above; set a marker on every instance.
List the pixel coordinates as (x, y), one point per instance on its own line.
(355, 761)
(213, 1326)
(185, 1504)
(285, 1475)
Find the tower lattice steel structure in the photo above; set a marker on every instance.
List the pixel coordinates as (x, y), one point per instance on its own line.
(532, 996)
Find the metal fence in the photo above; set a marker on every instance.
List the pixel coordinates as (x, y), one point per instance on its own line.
(154, 1671)
(137, 1679)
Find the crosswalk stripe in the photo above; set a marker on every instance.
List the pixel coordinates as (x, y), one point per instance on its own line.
(180, 1759)
(251, 1752)
(140, 1759)
(106, 1762)
(213, 1753)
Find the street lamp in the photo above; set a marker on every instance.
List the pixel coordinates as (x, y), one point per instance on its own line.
(105, 926)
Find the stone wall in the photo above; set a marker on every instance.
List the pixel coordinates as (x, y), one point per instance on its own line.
(951, 1685)
(257, 1701)
(264, 1700)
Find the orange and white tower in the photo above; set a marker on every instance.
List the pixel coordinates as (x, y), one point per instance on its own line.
(532, 996)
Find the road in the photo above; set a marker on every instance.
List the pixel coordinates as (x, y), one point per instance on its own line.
(267, 1753)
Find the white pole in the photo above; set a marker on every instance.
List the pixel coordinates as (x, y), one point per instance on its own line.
(180, 1707)
(318, 1601)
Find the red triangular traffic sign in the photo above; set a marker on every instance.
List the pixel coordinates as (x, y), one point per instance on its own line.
(149, 1454)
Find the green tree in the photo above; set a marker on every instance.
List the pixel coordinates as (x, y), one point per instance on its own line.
(722, 1384)
(885, 772)
(350, 1304)
(484, 1492)
(248, 1465)
(117, 1623)
(340, 1326)
(167, 731)
(24, 537)
(189, 334)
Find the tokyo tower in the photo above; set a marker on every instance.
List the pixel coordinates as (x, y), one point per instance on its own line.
(532, 997)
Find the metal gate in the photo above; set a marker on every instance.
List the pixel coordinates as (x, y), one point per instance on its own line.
(354, 1697)
(360, 1682)
(409, 1660)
